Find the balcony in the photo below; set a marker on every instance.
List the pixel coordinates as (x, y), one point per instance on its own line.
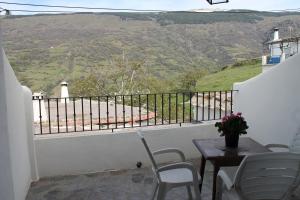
(103, 162)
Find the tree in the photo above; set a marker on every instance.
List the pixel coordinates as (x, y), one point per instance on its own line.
(126, 75)
(120, 77)
(188, 80)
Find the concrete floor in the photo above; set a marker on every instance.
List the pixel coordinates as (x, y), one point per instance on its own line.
(134, 184)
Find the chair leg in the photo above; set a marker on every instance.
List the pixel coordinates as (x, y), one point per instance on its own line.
(189, 192)
(162, 190)
(155, 190)
(219, 189)
(197, 191)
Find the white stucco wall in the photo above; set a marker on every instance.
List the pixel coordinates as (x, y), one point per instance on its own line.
(270, 102)
(91, 152)
(30, 132)
(6, 180)
(15, 158)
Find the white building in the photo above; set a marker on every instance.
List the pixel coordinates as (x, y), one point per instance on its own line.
(279, 49)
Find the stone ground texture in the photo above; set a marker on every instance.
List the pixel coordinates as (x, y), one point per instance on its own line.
(136, 184)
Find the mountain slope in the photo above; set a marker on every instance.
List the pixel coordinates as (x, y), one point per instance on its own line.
(46, 49)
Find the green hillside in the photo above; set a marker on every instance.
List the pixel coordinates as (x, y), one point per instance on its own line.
(224, 79)
(124, 53)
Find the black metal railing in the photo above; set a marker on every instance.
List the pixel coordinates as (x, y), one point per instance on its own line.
(80, 114)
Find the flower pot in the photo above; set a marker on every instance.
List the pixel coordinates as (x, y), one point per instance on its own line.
(232, 140)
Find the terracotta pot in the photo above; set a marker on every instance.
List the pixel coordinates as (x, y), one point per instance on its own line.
(232, 140)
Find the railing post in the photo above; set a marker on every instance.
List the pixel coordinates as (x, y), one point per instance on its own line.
(99, 113)
(49, 116)
(162, 108)
(220, 104)
(215, 104)
(197, 107)
(74, 113)
(57, 115)
(131, 109)
(208, 107)
(226, 103)
(170, 108)
(176, 113)
(183, 106)
(40, 116)
(231, 101)
(107, 113)
(191, 107)
(82, 114)
(203, 104)
(155, 109)
(91, 114)
(147, 109)
(140, 111)
(116, 112)
(66, 113)
(123, 100)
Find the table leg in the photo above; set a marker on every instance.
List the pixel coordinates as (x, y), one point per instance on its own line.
(216, 170)
(202, 169)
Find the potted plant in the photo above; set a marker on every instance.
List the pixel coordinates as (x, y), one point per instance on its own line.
(232, 126)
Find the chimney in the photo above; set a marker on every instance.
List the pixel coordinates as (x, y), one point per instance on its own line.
(276, 34)
(64, 94)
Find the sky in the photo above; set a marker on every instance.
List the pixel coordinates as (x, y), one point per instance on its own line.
(162, 4)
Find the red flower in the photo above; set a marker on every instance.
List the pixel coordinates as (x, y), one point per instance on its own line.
(232, 124)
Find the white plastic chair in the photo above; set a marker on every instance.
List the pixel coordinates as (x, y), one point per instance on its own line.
(294, 147)
(173, 175)
(268, 176)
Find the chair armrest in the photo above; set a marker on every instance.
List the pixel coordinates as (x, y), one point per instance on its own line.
(176, 166)
(283, 146)
(223, 176)
(170, 150)
(180, 165)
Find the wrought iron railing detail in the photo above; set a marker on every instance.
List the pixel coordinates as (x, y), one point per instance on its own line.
(80, 114)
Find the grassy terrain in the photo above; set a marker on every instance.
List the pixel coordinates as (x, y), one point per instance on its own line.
(224, 79)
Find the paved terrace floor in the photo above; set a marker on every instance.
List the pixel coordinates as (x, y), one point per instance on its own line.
(136, 184)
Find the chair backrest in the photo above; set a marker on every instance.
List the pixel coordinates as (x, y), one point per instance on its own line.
(295, 145)
(268, 176)
(147, 149)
